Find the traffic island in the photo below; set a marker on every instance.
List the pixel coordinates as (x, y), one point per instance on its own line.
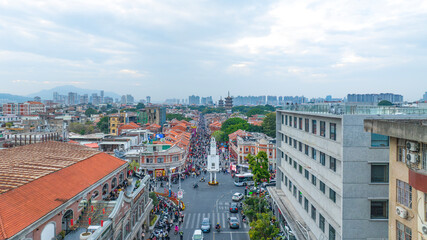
(213, 183)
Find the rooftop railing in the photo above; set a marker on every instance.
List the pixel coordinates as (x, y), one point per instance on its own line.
(341, 109)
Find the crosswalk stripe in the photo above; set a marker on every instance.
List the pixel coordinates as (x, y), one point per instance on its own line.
(223, 220)
(187, 219)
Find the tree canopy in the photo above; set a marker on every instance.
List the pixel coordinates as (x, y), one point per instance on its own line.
(385, 103)
(90, 111)
(177, 116)
(259, 167)
(269, 125)
(80, 128)
(263, 228)
(102, 125)
(140, 106)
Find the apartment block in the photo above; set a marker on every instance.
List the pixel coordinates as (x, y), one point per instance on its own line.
(332, 177)
(408, 176)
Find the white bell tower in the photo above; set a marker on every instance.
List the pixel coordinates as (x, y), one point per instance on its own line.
(213, 163)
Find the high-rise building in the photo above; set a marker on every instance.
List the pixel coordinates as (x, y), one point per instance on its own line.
(84, 99)
(332, 175)
(425, 96)
(72, 98)
(127, 99)
(221, 103)
(194, 100)
(148, 99)
(374, 98)
(55, 97)
(102, 97)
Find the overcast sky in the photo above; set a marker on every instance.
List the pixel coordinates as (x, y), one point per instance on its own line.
(173, 49)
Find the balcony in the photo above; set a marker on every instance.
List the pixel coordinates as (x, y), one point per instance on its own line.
(343, 109)
(418, 179)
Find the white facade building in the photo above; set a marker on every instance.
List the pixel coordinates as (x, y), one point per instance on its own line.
(332, 177)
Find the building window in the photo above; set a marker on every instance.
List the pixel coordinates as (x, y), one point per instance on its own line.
(306, 149)
(295, 143)
(283, 119)
(300, 123)
(333, 131)
(424, 162)
(300, 169)
(322, 186)
(331, 232)
(295, 191)
(283, 155)
(290, 161)
(300, 197)
(322, 159)
(290, 185)
(306, 204)
(379, 173)
(290, 141)
(332, 195)
(378, 140)
(401, 150)
(314, 126)
(321, 222)
(295, 165)
(313, 153)
(333, 164)
(300, 146)
(379, 209)
(313, 180)
(286, 180)
(295, 122)
(160, 160)
(313, 212)
(286, 119)
(322, 128)
(307, 125)
(286, 139)
(425, 206)
(404, 193)
(175, 159)
(286, 157)
(403, 232)
(290, 121)
(306, 174)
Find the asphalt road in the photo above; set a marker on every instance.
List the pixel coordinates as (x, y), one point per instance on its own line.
(212, 202)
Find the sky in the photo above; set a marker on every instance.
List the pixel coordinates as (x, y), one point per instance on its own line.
(173, 49)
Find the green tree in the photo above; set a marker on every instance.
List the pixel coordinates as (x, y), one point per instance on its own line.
(81, 128)
(9, 124)
(90, 111)
(231, 121)
(140, 106)
(254, 205)
(219, 136)
(385, 103)
(255, 111)
(133, 165)
(177, 116)
(102, 125)
(263, 228)
(269, 125)
(153, 196)
(259, 166)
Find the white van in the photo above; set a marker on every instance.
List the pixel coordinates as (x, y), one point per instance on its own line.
(197, 235)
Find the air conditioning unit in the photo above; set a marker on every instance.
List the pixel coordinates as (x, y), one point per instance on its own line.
(401, 212)
(424, 229)
(413, 158)
(413, 146)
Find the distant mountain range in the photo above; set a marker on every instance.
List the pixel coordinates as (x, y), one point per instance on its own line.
(48, 94)
(7, 98)
(64, 90)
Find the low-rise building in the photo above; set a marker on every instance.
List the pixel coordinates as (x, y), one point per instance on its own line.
(22, 109)
(50, 189)
(407, 171)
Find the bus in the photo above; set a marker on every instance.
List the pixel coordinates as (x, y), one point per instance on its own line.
(244, 179)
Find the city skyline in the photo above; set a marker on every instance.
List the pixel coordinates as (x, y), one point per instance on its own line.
(164, 49)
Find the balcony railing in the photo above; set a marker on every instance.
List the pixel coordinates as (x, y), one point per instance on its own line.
(341, 109)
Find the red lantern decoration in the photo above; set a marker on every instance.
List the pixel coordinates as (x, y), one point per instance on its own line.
(91, 208)
(103, 211)
(134, 168)
(71, 222)
(102, 223)
(89, 221)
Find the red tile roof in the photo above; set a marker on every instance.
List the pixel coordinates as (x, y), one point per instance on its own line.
(26, 204)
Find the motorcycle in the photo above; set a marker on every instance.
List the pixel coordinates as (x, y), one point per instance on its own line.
(202, 179)
(218, 228)
(196, 185)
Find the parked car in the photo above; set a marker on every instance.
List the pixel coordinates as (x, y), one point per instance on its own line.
(197, 235)
(234, 208)
(271, 183)
(237, 197)
(233, 222)
(206, 225)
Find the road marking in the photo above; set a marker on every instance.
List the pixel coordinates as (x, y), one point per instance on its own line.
(231, 236)
(223, 220)
(187, 219)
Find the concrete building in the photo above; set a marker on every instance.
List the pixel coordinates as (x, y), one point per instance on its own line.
(407, 206)
(374, 98)
(22, 109)
(325, 159)
(156, 115)
(193, 100)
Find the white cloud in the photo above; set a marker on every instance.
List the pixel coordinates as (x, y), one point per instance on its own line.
(133, 73)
